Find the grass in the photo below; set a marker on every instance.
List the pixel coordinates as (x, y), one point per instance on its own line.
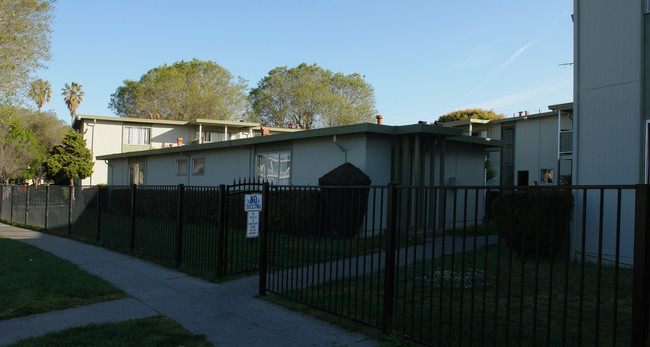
(153, 331)
(34, 281)
(155, 239)
(481, 304)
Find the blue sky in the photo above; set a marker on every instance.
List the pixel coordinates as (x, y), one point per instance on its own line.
(424, 58)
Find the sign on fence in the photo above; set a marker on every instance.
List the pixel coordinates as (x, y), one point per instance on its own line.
(253, 202)
(253, 225)
(253, 205)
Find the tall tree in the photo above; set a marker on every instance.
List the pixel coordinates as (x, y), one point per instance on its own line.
(41, 92)
(312, 97)
(48, 130)
(351, 101)
(185, 90)
(473, 113)
(46, 127)
(25, 43)
(17, 149)
(69, 160)
(73, 96)
(27, 137)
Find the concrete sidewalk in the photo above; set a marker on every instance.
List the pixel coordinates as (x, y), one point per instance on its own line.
(227, 314)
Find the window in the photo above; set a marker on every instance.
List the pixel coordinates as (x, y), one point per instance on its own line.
(181, 167)
(274, 167)
(136, 173)
(134, 135)
(198, 166)
(547, 175)
(209, 136)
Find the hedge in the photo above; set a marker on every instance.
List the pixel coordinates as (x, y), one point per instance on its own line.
(533, 222)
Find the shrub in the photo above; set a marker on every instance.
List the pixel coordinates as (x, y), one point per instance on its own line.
(343, 208)
(293, 211)
(533, 222)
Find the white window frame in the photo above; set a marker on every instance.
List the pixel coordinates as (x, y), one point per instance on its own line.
(274, 167)
(180, 172)
(198, 170)
(141, 169)
(137, 135)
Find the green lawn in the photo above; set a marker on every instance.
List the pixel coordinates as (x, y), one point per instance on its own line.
(153, 331)
(483, 305)
(34, 281)
(155, 239)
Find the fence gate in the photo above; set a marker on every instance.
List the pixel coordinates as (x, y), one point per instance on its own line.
(242, 253)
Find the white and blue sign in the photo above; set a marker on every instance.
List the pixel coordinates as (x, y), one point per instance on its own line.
(253, 225)
(253, 202)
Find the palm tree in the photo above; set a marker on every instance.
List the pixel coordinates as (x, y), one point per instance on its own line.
(40, 92)
(73, 96)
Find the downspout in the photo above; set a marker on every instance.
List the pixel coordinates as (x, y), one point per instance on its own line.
(343, 149)
(92, 139)
(110, 169)
(559, 138)
(92, 144)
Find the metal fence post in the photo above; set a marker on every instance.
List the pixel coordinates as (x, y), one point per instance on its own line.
(389, 268)
(221, 229)
(11, 211)
(71, 190)
(47, 204)
(98, 227)
(641, 281)
(2, 198)
(134, 188)
(264, 239)
(26, 205)
(179, 225)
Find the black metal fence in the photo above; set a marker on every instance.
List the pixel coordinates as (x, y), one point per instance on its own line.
(202, 228)
(437, 265)
(467, 265)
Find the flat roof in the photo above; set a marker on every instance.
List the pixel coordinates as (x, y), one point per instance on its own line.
(201, 121)
(371, 128)
(467, 121)
(568, 107)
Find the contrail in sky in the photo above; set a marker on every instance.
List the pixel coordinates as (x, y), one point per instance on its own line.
(512, 58)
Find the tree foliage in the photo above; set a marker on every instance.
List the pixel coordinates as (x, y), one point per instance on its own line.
(312, 97)
(27, 137)
(46, 127)
(69, 160)
(41, 92)
(473, 113)
(185, 90)
(18, 148)
(24, 43)
(73, 96)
